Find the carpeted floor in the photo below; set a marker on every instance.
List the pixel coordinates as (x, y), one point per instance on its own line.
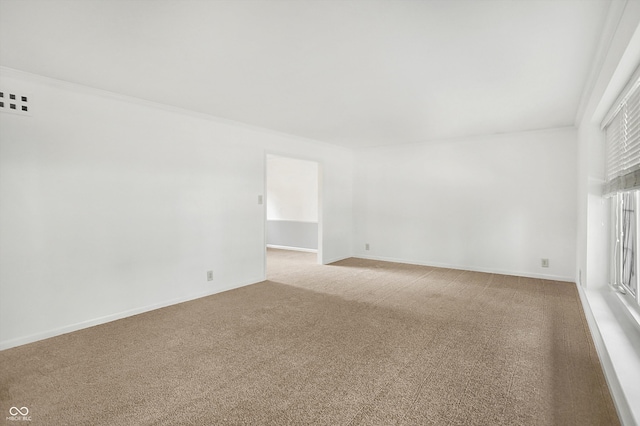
(358, 342)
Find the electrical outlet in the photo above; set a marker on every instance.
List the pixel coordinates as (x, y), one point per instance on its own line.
(209, 275)
(366, 246)
(545, 263)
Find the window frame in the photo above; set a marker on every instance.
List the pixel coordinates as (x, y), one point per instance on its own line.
(629, 295)
(622, 183)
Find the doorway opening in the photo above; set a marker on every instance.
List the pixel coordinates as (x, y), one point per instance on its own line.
(293, 206)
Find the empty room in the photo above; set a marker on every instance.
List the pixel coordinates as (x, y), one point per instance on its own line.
(358, 212)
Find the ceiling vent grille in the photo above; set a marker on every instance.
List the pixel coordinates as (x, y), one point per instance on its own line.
(15, 103)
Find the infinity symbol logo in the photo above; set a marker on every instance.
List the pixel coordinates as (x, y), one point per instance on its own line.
(14, 411)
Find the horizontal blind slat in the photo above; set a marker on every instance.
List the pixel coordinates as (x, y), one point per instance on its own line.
(622, 139)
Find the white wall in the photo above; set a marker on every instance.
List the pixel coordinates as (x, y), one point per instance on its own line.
(292, 189)
(112, 206)
(495, 203)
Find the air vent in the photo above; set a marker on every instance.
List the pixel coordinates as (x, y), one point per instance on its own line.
(16, 103)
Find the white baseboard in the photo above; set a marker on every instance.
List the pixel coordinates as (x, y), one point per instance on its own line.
(7, 344)
(334, 260)
(614, 335)
(468, 268)
(308, 250)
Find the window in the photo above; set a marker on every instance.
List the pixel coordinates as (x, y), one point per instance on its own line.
(624, 268)
(622, 135)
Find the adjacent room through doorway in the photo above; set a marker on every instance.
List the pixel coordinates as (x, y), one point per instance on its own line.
(292, 205)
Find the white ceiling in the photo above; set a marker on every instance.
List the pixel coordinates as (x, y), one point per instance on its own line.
(353, 73)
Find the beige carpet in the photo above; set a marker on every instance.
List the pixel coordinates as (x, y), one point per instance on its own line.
(354, 343)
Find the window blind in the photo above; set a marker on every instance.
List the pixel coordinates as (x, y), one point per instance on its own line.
(622, 136)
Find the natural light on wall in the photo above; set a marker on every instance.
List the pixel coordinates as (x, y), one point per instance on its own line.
(622, 135)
